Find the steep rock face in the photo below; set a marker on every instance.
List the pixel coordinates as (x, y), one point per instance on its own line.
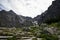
(9, 19)
(52, 14)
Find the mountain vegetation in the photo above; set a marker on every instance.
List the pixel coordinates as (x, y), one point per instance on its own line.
(45, 26)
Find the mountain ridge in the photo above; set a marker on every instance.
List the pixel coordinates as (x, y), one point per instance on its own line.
(51, 15)
(11, 19)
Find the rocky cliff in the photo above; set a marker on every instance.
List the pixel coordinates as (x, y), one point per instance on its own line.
(52, 14)
(11, 19)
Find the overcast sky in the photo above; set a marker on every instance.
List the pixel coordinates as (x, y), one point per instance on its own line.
(30, 8)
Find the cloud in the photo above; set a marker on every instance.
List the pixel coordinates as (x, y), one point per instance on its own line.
(4, 4)
(30, 8)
